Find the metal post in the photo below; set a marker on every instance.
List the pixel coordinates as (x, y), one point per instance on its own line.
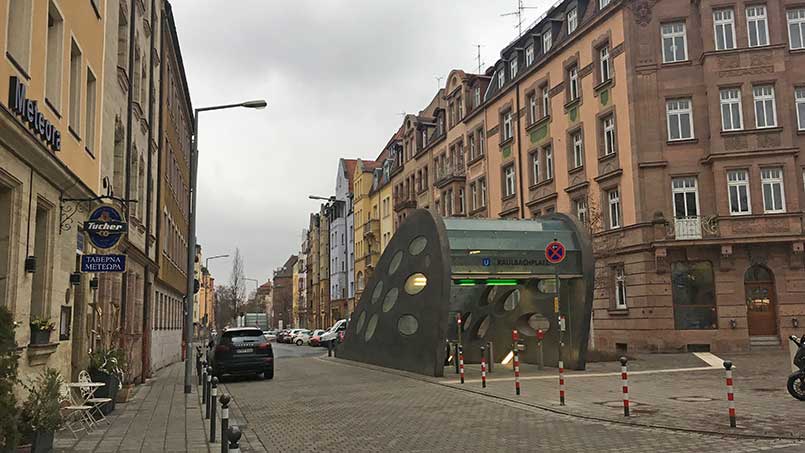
(561, 383)
(540, 356)
(233, 434)
(625, 382)
(730, 394)
(213, 405)
(191, 252)
(483, 367)
(516, 362)
(490, 357)
(455, 357)
(203, 382)
(224, 422)
(461, 362)
(207, 400)
(198, 363)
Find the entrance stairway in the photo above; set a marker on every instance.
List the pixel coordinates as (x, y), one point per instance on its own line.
(764, 342)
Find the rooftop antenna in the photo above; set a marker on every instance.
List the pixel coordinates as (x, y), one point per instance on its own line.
(519, 14)
(480, 63)
(438, 82)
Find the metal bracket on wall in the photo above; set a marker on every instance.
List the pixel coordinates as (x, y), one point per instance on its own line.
(68, 207)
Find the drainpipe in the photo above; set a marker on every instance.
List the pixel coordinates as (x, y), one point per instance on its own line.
(519, 155)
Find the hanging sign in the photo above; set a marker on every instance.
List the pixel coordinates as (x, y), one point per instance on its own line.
(103, 263)
(105, 227)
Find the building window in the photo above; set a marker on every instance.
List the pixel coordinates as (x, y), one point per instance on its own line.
(605, 64)
(547, 40)
(534, 168)
(572, 21)
(546, 100)
(471, 145)
(799, 94)
(614, 200)
(581, 210)
(773, 192)
(686, 200)
(55, 37)
(577, 151)
(461, 201)
(608, 129)
(500, 78)
(724, 29)
(513, 68)
(674, 42)
(507, 126)
(757, 25)
(508, 181)
(532, 107)
(481, 141)
(482, 184)
(765, 110)
(89, 140)
(548, 162)
(529, 55)
(738, 188)
(424, 138)
(620, 288)
(603, 4)
(573, 83)
(477, 97)
(18, 38)
(75, 87)
(796, 28)
(473, 196)
(693, 294)
(680, 119)
(731, 115)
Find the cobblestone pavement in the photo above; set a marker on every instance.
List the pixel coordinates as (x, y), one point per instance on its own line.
(326, 405)
(683, 399)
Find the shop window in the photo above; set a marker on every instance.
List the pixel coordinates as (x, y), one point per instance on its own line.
(693, 292)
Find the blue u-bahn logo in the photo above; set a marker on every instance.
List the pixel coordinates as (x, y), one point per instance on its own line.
(486, 262)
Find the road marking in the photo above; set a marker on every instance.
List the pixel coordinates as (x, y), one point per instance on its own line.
(581, 375)
(710, 359)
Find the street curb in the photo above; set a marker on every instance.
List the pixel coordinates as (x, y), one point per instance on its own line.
(558, 411)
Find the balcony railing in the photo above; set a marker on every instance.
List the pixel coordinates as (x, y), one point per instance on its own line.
(371, 227)
(453, 171)
(694, 227)
(401, 203)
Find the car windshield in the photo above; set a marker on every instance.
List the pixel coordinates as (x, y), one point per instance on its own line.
(241, 336)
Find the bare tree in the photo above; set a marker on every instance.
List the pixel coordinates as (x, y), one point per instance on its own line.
(237, 282)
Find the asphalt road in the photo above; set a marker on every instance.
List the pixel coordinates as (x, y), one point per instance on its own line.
(319, 404)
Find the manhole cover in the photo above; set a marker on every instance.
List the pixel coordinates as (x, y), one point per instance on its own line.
(693, 399)
(619, 404)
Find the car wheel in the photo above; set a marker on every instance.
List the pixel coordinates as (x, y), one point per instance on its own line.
(268, 374)
(299, 342)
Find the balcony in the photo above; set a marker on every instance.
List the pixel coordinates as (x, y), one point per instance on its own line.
(693, 227)
(401, 203)
(371, 228)
(452, 173)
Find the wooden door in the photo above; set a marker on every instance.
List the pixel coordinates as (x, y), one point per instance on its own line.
(760, 310)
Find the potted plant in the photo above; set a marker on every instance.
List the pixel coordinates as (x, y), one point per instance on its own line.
(106, 366)
(9, 358)
(40, 330)
(41, 412)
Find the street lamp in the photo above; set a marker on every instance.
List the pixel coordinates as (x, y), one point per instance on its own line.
(191, 233)
(207, 289)
(334, 200)
(207, 261)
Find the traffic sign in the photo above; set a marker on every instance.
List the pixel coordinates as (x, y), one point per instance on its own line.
(555, 252)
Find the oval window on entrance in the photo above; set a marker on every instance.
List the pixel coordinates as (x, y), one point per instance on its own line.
(416, 283)
(377, 292)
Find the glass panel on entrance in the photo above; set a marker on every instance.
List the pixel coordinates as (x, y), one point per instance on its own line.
(693, 295)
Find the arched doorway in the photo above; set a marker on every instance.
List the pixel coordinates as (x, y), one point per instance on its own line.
(760, 301)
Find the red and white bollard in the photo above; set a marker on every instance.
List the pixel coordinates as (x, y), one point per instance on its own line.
(461, 362)
(561, 383)
(516, 363)
(483, 367)
(625, 381)
(730, 394)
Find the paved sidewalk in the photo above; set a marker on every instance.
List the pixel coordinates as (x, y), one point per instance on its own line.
(668, 390)
(159, 418)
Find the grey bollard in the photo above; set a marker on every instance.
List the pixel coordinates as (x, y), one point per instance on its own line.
(213, 405)
(203, 381)
(233, 435)
(490, 358)
(207, 400)
(198, 364)
(224, 422)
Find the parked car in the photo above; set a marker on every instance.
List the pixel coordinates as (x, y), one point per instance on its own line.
(301, 337)
(333, 332)
(315, 340)
(282, 335)
(314, 334)
(271, 335)
(242, 350)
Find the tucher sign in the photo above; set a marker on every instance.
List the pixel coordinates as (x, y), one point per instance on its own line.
(28, 110)
(105, 227)
(103, 263)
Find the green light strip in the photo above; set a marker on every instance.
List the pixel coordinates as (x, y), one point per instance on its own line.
(465, 282)
(500, 282)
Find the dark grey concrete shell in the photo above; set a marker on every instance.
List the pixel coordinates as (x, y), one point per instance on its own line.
(435, 268)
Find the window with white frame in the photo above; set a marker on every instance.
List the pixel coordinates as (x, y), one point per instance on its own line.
(685, 192)
(513, 68)
(796, 28)
(481, 141)
(471, 145)
(548, 162)
(674, 42)
(679, 113)
(477, 97)
(535, 168)
(608, 129)
(581, 209)
(572, 21)
(738, 190)
(799, 96)
(757, 25)
(532, 107)
(473, 196)
(501, 78)
(547, 40)
(620, 288)
(614, 201)
(546, 100)
(573, 82)
(604, 63)
(724, 23)
(731, 114)
(765, 109)
(577, 142)
(773, 192)
(603, 4)
(529, 55)
(508, 181)
(461, 201)
(482, 185)
(507, 125)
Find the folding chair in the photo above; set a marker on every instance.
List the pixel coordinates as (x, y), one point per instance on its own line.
(75, 415)
(88, 394)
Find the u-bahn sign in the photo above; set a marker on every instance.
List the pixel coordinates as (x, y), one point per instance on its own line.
(105, 227)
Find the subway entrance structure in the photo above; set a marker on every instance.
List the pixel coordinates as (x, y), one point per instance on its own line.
(494, 273)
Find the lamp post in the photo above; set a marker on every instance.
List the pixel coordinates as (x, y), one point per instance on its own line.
(332, 199)
(191, 232)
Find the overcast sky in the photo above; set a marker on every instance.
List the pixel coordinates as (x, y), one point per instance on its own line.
(337, 74)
